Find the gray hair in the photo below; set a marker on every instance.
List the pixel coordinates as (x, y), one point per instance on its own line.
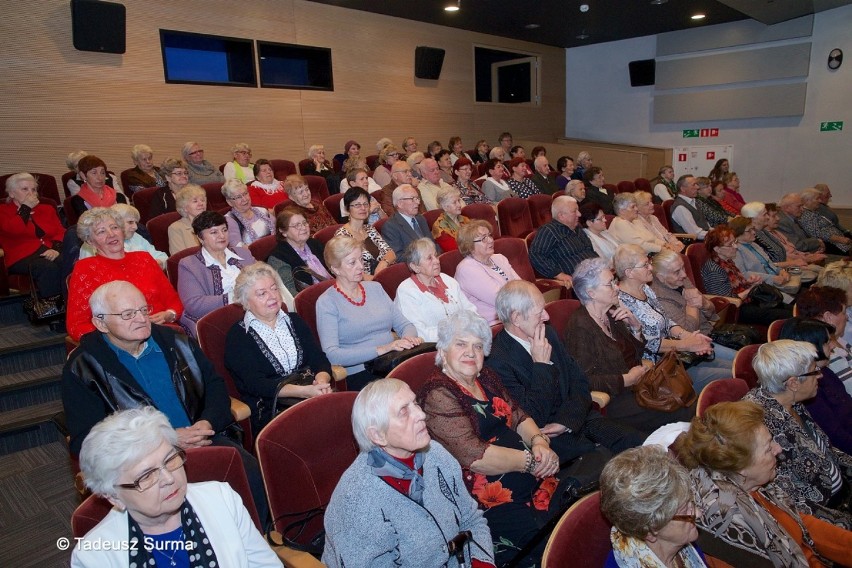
(664, 259)
(419, 248)
(239, 147)
(371, 410)
(127, 212)
(622, 201)
(642, 489)
(13, 181)
(231, 187)
(460, 323)
(87, 221)
(412, 159)
(582, 156)
(517, 296)
(171, 164)
(810, 195)
(626, 257)
(187, 147)
(445, 194)
(120, 440)
(383, 143)
(752, 209)
(98, 300)
(186, 194)
(398, 191)
(838, 275)
(560, 203)
(641, 197)
(787, 199)
(74, 157)
(779, 360)
(569, 187)
(312, 151)
(539, 160)
(587, 276)
(247, 278)
(140, 149)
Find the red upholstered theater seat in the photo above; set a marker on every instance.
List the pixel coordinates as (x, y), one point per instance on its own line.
(326, 233)
(742, 365)
(431, 216)
(642, 184)
(263, 247)
(211, 463)
(581, 537)
(332, 203)
(516, 251)
(721, 390)
(626, 186)
(173, 262)
(415, 371)
(215, 198)
(560, 312)
(301, 471)
(282, 168)
(484, 212)
(539, 206)
(142, 202)
(159, 229)
(305, 303)
(318, 186)
(449, 261)
(391, 277)
(774, 331)
(661, 215)
(514, 216)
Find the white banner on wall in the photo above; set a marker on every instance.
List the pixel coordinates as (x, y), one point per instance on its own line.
(699, 160)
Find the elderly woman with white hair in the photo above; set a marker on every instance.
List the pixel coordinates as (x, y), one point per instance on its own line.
(190, 202)
(661, 332)
(133, 241)
(606, 340)
(132, 459)
(627, 228)
(31, 235)
(646, 495)
(814, 473)
(648, 221)
(145, 174)
(774, 249)
(246, 223)
(200, 170)
(241, 167)
(507, 462)
(402, 499)
(446, 227)
(752, 260)
(429, 295)
(272, 354)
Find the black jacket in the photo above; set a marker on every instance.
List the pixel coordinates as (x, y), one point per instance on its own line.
(95, 384)
(285, 252)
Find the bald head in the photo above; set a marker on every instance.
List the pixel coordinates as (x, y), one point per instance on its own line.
(430, 170)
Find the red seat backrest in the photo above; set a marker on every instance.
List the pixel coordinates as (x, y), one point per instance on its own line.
(303, 166)
(449, 261)
(215, 198)
(697, 255)
(560, 312)
(515, 250)
(514, 215)
(173, 262)
(581, 538)
(159, 229)
(326, 233)
(391, 277)
(318, 186)
(432, 216)
(660, 214)
(626, 186)
(262, 247)
(539, 206)
(142, 202)
(484, 212)
(642, 184)
(720, 390)
(742, 368)
(415, 371)
(332, 203)
(282, 168)
(305, 303)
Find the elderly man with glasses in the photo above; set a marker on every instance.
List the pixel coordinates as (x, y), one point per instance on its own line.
(129, 363)
(407, 224)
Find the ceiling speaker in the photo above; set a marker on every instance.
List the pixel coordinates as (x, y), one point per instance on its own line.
(98, 26)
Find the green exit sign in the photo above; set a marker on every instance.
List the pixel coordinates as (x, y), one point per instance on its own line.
(694, 133)
(823, 126)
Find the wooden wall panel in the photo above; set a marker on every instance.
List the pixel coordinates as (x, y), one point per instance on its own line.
(57, 99)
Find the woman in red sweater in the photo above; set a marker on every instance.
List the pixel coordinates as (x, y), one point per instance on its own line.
(103, 229)
(31, 235)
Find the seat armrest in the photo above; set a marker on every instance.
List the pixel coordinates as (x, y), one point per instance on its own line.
(600, 398)
(551, 289)
(338, 375)
(737, 302)
(293, 558)
(239, 410)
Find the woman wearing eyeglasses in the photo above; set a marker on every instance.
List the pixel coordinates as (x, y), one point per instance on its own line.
(297, 258)
(752, 259)
(133, 460)
(241, 167)
(814, 474)
(735, 474)
(200, 170)
(645, 494)
(593, 221)
(246, 223)
(376, 254)
(482, 273)
(606, 340)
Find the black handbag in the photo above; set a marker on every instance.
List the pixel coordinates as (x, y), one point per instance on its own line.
(267, 409)
(384, 364)
(734, 335)
(43, 310)
(293, 531)
(765, 296)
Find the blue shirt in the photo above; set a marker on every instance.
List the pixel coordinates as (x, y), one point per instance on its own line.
(151, 371)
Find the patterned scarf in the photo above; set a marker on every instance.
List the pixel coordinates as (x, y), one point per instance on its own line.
(631, 552)
(196, 543)
(738, 281)
(384, 465)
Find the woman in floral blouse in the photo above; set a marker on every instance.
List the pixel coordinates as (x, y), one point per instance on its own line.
(507, 462)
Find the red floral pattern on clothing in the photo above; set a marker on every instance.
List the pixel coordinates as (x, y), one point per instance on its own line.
(541, 498)
(502, 410)
(490, 494)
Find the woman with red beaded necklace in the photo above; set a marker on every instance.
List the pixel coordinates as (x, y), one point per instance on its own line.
(355, 317)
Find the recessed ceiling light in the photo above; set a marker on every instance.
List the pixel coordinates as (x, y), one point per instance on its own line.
(698, 17)
(451, 9)
(583, 35)
(532, 26)
(658, 2)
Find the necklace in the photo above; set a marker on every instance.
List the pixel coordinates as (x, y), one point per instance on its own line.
(350, 300)
(603, 322)
(178, 546)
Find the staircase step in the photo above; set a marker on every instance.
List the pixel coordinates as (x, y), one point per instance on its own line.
(35, 377)
(27, 417)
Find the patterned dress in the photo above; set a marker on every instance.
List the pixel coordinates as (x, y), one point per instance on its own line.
(375, 247)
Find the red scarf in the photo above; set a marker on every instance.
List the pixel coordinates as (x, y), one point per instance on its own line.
(439, 290)
(738, 281)
(93, 199)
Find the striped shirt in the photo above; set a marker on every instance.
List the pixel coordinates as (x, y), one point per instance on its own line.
(558, 249)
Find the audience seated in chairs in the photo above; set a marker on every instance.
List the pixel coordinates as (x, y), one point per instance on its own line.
(206, 279)
(190, 202)
(376, 254)
(133, 241)
(163, 200)
(265, 191)
(103, 229)
(350, 300)
(751, 259)
(446, 227)
(593, 221)
(145, 174)
(559, 246)
(297, 258)
(135, 459)
(246, 223)
(94, 191)
(369, 519)
(636, 224)
(313, 210)
(271, 354)
(200, 170)
(721, 277)
(428, 296)
(482, 273)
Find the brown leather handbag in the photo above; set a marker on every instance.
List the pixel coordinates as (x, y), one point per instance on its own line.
(666, 387)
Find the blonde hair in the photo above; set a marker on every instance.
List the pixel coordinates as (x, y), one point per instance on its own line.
(187, 194)
(339, 248)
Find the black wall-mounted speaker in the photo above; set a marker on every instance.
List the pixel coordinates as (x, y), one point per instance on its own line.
(428, 62)
(99, 26)
(642, 72)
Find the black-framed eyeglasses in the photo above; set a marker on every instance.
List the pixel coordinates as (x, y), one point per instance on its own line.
(130, 313)
(417, 199)
(150, 478)
(814, 373)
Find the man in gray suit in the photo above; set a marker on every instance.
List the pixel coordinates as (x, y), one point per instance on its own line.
(406, 225)
(789, 210)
